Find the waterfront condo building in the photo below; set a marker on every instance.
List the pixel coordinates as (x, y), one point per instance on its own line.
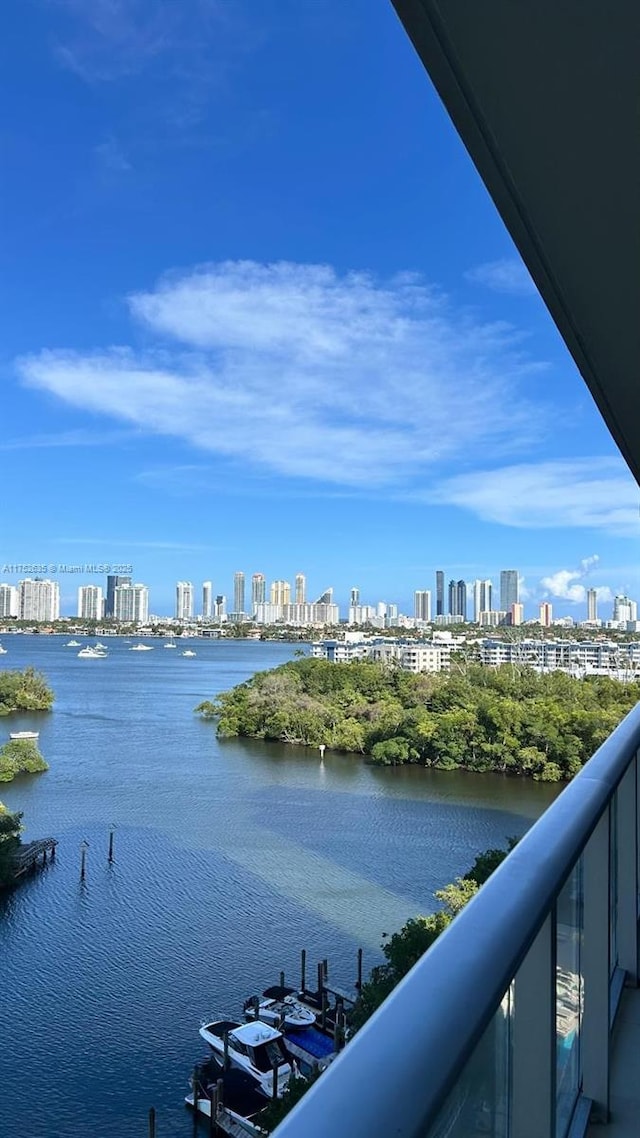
(509, 592)
(113, 580)
(131, 604)
(482, 598)
(592, 605)
(207, 600)
(90, 602)
(354, 598)
(300, 589)
(422, 604)
(184, 600)
(624, 609)
(238, 593)
(280, 593)
(516, 615)
(9, 601)
(440, 592)
(258, 591)
(38, 600)
(458, 599)
(546, 614)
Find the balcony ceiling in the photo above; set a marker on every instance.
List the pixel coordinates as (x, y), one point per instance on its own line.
(545, 95)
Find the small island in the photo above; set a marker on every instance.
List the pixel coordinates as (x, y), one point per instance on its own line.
(509, 719)
(20, 756)
(24, 691)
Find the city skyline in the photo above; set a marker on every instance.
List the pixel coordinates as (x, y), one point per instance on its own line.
(475, 601)
(146, 339)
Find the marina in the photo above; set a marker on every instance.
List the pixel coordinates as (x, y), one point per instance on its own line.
(208, 845)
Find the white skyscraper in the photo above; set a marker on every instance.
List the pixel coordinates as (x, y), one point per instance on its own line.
(131, 604)
(422, 604)
(38, 600)
(90, 604)
(238, 592)
(184, 600)
(482, 596)
(207, 600)
(9, 600)
(592, 605)
(624, 609)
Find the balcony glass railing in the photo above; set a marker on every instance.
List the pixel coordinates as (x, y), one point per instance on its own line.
(503, 1028)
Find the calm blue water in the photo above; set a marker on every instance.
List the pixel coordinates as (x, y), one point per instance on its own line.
(230, 857)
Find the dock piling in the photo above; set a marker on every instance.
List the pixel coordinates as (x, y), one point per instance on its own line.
(323, 1018)
(225, 1040)
(213, 1104)
(83, 859)
(275, 1080)
(359, 980)
(320, 979)
(303, 970)
(110, 858)
(152, 1122)
(325, 968)
(195, 1080)
(282, 979)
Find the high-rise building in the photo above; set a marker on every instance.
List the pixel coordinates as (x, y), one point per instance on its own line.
(221, 607)
(301, 589)
(509, 591)
(458, 599)
(131, 604)
(207, 600)
(439, 592)
(9, 601)
(38, 600)
(546, 614)
(354, 598)
(422, 604)
(325, 598)
(113, 580)
(482, 596)
(184, 600)
(258, 591)
(516, 616)
(624, 609)
(592, 605)
(238, 592)
(280, 593)
(90, 602)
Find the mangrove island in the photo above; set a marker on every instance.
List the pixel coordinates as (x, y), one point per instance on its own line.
(509, 719)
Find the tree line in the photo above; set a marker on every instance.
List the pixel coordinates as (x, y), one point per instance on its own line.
(24, 691)
(510, 719)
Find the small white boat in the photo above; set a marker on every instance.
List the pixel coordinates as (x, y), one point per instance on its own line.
(72, 644)
(99, 645)
(3, 651)
(288, 1012)
(170, 644)
(254, 1048)
(142, 648)
(24, 734)
(188, 653)
(89, 653)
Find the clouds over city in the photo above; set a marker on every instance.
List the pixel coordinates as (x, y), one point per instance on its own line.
(593, 493)
(569, 584)
(300, 370)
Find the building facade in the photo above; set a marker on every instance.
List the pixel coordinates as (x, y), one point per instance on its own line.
(90, 602)
(258, 591)
(482, 598)
(184, 600)
(546, 614)
(509, 589)
(592, 605)
(131, 604)
(113, 580)
(422, 604)
(38, 600)
(440, 593)
(300, 589)
(207, 600)
(9, 601)
(280, 593)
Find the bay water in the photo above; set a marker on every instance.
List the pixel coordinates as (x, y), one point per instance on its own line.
(230, 857)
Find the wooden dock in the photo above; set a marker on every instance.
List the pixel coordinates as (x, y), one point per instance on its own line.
(32, 856)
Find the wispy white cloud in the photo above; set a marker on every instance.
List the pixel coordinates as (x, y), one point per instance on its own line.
(77, 438)
(310, 374)
(508, 275)
(593, 493)
(567, 584)
(111, 157)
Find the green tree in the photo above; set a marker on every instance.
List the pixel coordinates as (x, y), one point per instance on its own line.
(20, 756)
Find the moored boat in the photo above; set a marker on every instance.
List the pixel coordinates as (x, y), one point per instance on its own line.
(188, 653)
(255, 1048)
(92, 653)
(142, 648)
(283, 1013)
(72, 644)
(24, 734)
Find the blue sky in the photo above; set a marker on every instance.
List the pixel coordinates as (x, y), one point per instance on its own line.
(260, 314)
